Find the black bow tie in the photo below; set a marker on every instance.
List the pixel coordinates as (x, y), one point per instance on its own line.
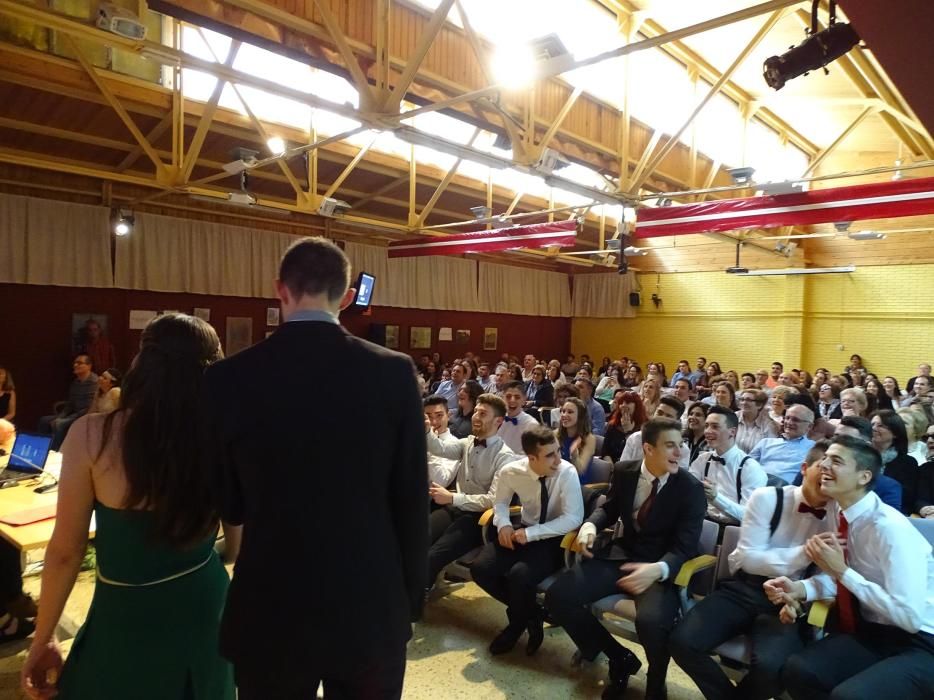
(514, 421)
(479, 443)
(818, 513)
(714, 458)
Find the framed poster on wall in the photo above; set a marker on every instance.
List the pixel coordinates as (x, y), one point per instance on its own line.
(239, 334)
(490, 338)
(420, 338)
(392, 337)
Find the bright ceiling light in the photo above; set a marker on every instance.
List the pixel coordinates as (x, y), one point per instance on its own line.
(276, 145)
(513, 66)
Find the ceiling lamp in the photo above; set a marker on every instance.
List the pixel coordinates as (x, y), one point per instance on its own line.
(793, 271)
(866, 236)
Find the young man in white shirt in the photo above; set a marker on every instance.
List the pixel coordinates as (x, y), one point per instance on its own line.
(483, 376)
(477, 461)
(511, 567)
(728, 474)
(880, 570)
(771, 543)
(516, 421)
(668, 407)
(436, 411)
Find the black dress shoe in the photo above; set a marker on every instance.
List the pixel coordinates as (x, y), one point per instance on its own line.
(505, 640)
(618, 680)
(536, 635)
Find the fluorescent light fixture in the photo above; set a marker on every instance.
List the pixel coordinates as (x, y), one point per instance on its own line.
(797, 271)
(632, 250)
(452, 148)
(276, 145)
(866, 236)
(786, 187)
(579, 189)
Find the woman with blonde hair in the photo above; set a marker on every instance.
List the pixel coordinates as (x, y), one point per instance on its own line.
(651, 395)
(777, 404)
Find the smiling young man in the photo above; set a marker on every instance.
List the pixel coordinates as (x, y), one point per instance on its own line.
(516, 421)
(658, 508)
(728, 474)
(477, 461)
(771, 543)
(511, 567)
(880, 571)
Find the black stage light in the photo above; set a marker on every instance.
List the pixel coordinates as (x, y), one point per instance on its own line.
(819, 49)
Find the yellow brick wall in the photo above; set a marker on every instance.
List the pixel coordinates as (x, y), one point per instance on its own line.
(884, 313)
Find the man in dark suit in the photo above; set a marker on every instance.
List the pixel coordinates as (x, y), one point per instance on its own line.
(335, 528)
(657, 510)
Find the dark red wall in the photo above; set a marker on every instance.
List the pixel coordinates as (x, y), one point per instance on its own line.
(36, 329)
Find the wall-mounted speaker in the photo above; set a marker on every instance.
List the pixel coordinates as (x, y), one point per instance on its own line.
(635, 299)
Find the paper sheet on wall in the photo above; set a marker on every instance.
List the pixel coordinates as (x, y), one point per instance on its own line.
(445, 334)
(139, 318)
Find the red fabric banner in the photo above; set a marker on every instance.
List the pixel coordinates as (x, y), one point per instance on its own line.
(880, 200)
(560, 233)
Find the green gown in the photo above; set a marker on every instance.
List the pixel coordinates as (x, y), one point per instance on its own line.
(153, 642)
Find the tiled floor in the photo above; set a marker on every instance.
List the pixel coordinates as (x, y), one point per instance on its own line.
(448, 657)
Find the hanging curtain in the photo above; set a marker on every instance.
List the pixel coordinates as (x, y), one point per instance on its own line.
(516, 290)
(603, 295)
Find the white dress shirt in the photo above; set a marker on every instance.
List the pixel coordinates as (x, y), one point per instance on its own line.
(632, 451)
(512, 434)
(728, 502)
(477, 468)
(890, 568)
(782, 553)
(917, 449)
(565, 502)
(440, 468)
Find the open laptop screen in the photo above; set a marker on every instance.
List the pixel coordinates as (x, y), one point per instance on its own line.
(29, 452)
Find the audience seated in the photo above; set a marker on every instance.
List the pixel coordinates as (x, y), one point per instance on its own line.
(668, 407)
(916, 423)
(80, 395)
(627, 417)
(512, 565)
(577, 443)
(460, 420)
(924, 370)
(920, 389)
(828, 404)
(776, 524)
(528, 365)
(595, 410)
(880, 571)
(728, 475)
(890, 438)
(478, 459)
(754, 420)
(694, 440)
(439, 468)
(7, 395)
(781, 457)
(684, 372)
(516, 421)
(659, 508)
(107, 396)
(539, 392)
(17, 609)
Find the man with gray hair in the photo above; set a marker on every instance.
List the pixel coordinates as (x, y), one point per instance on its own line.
(781, 457)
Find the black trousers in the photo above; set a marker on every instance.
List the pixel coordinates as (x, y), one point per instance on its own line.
(373, 679)
(11, 574)
(877, 662)
(512, 575)
(454, 532)
(736, 607)
(568, 600)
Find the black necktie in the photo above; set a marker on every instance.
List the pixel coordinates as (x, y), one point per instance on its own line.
(543, 501)
(479, 443)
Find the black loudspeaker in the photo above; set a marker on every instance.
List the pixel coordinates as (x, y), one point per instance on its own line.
(377, 334)
(635, 299)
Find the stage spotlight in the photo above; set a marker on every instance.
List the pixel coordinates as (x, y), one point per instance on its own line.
(819, 49)
(123, 222)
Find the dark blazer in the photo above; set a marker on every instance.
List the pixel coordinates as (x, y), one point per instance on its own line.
(319, 447)
(545, 396)
(673, 528)
(925, 496)
(904, 469)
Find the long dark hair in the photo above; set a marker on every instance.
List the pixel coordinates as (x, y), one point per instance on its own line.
(163, 451)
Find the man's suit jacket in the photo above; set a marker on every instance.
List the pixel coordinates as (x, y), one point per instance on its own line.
(319, 445)
(545, 396)
(674, 523)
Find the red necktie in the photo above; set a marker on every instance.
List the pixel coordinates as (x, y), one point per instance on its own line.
(646, 506)
(845, 605)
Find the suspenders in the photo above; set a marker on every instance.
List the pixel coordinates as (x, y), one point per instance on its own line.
(739, 479)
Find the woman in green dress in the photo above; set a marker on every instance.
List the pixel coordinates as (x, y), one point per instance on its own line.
(152, 628)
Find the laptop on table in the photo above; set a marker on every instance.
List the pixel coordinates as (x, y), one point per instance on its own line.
(27, 458)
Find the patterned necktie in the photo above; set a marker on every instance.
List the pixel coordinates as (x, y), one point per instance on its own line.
(646, 506)
(543, 501)
(846, 606)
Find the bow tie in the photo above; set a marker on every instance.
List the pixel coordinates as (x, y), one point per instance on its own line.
(818, 513)
(714, 458)
(514, 421)
(479, 443)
